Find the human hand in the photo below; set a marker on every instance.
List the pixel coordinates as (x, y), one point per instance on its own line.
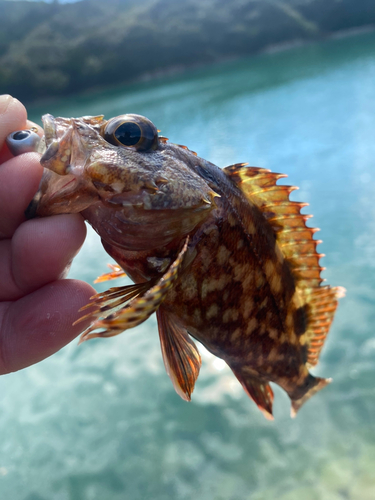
(37, 306)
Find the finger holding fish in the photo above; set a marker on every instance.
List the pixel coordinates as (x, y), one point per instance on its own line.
(33, 258)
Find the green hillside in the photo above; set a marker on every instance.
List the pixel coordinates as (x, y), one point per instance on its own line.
(53, 49)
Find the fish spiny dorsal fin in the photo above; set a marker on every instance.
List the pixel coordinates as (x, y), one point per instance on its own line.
(187, 149)
(296, 243)
(294, 238)
(321, 306)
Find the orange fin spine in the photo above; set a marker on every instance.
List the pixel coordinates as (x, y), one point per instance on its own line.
(187, 149)
(107, 302)
(294, 238)
(117, 272)
(181, 357)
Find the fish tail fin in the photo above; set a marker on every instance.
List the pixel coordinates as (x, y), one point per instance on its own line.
(312, 385)
(260, 392)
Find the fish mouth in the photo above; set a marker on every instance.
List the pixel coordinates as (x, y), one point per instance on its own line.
(57, 194)
(51, 141)
(63, 188)
(68, 142)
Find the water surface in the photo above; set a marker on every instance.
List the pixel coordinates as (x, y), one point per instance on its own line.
(102, 421)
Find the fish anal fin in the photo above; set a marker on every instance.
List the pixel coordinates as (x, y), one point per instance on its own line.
(321, 304)
(316, 384)
(181, 357)
(111, 317)
(260, 392)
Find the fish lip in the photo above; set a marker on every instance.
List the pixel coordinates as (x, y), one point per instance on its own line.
(58, 143)
(50, 152)
(49, 127)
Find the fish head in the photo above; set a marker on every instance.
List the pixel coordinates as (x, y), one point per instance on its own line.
(134, 187)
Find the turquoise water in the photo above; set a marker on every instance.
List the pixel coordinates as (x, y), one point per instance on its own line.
(102, 421)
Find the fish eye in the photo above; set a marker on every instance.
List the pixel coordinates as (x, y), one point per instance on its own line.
(133, 131)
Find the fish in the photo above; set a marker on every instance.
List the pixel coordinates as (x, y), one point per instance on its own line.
(222, 256)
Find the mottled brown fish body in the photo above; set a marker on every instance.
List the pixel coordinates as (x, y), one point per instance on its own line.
(238, 299)
(222, 255)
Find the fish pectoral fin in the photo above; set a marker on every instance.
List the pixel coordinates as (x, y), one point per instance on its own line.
(181, 357)
(107, 304)
(260, 392)
(110, 316)
(117, 272)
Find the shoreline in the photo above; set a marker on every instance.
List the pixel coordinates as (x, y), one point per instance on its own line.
(181, 69)
(335, 35)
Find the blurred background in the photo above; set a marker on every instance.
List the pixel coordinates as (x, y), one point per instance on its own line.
(56, 48)
(286, 85)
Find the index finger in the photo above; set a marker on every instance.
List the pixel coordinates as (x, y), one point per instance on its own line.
(19, 181)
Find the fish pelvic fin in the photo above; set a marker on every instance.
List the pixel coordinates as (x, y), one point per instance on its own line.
(181, 357)
(321, 304)
(110, 317)
(314, 386)
(260, 392)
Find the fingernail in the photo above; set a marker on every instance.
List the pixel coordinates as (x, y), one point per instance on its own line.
(5, 100)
